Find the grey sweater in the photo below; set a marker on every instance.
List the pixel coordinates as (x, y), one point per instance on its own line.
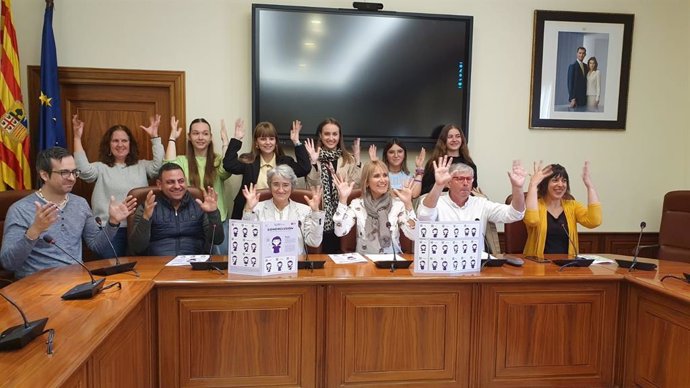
(75, 221)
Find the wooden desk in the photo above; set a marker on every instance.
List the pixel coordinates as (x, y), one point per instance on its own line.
(358, 326)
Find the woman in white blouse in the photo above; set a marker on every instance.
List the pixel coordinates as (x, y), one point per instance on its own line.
(281, 180)
(380, 213)
(593, 84)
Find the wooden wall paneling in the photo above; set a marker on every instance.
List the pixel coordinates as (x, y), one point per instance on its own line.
(536, 334)
(79, 379)
(239, 336)
(105, 97)
(398, 336)
(658, 341)
(125, 358)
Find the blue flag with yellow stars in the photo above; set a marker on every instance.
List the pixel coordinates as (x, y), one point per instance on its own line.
(51, 130)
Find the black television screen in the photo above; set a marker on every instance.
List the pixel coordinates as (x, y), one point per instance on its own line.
(380, 74)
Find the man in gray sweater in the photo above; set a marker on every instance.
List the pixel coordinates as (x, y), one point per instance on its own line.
(55, 211)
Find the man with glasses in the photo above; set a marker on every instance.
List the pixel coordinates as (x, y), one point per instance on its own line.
(459, 205)
(54, 210)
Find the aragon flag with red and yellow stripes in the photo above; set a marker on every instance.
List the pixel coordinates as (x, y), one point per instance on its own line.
(15, 171)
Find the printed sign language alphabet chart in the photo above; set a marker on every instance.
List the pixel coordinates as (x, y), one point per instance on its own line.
(448, 247)
(263, 248)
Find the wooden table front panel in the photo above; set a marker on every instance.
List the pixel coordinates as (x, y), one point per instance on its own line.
(248, 336)
(548, 334)
(658, 340)
(406, 335)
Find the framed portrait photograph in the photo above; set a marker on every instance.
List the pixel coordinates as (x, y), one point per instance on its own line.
(580, 70)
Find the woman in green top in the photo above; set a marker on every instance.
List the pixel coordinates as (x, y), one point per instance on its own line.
(199, 173)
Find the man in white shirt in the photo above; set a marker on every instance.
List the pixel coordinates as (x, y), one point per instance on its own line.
(459, 205)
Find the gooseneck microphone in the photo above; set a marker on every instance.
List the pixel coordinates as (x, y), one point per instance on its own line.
(80, 291)
(395, 263)
(307, 264)
(217, 266)
(634, 264)
(578, 261)
(118, 267)
(16, 337)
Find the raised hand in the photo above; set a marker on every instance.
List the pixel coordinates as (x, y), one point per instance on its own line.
(372, 153)
(405, 193)
(152, 129)
(149, 205)
(356, 150)
(239, 129)
(586, 178)
(210, 203)
(517, 174)
(344, 188)
(46, 215)
(294, 132)
(441, 167)
(251, 196)
(313, 153)
(77, 127)
(119, 211)
(421, 158)
(175, 130)
(315, 200)
(539, 173)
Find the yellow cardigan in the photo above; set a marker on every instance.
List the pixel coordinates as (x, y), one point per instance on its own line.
(575, 212)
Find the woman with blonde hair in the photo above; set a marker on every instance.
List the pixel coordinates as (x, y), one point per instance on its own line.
(380, 213)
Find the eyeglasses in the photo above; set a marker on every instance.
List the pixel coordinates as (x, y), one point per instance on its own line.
(66, 173)
(463, 178)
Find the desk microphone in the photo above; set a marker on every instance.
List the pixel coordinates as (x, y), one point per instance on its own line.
(81, 291)
(634, 264)
(307, 264)
(217, 266)
(578, 261)
(16, 337)
(118, 267)
(395, 263)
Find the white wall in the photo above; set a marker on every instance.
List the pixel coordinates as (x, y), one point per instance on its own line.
(210, 40)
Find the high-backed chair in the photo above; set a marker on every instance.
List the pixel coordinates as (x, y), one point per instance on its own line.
(348, 243)
(297, 195)
(140, 194)
(515, 234)
(7, 198)
(674, 232)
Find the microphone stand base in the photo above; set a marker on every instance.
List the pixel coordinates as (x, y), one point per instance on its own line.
(84, 291)
(310, 264)
(113, 269)
(577, 262)
(637, 265)
(17, 337)
(209, 265)
(393, 264)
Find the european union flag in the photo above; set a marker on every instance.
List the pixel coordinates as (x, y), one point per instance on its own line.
(51, 131)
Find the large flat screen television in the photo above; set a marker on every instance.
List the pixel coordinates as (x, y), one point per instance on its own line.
(380, 74)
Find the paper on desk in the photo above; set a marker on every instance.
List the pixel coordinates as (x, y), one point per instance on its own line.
(186, 259)
(599, 259)
(488, 256)
(384, 257)
(348, 258)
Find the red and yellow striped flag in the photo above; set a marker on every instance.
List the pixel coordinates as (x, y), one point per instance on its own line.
(15, 171)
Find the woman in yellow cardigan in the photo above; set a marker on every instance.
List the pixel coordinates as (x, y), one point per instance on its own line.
(552, 213)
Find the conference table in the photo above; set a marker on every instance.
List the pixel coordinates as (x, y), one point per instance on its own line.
(356, 325)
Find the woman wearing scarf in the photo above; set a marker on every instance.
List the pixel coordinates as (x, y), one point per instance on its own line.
(329, 157)
(380, 213)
